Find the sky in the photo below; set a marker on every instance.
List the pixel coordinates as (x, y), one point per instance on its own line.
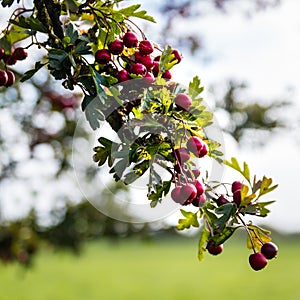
(263, 51)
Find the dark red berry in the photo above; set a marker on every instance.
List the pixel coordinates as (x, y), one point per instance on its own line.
(237, 197)
(9, 60)
(177, 55)
(236, 185)
(182, 155)
(20, 53)
(116, 47)
(194, 145)
(11, 78)
(269, 250)
(222, 200)
(176, 195)
(213, 249)
(149, 78)
(188, 192)
(123, 76)
(102, 56)
(2, 53)
(147, 61)
(166, 75)
(183, 101)
(3, 77)
(155, 69)
(145, 47)
(130, 39)
(157, 58)
(199, 187)
(199, 201)
(196, 173)
(203, 151)
(257, 261)
(138, 69)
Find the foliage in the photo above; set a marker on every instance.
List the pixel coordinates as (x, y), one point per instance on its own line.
(159, 123)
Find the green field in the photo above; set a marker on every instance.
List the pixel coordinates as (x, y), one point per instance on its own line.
(153, 270)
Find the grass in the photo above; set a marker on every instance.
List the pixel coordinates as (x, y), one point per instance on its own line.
(153, 270)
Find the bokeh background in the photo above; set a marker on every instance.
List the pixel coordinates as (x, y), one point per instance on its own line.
(55, 245)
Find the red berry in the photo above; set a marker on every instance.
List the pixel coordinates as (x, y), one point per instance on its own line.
(213, 249)
(203, 151)
(11, 78)
(188, 192)
(155, 69)
(257, 261)
(237, 197)
(236, 185)
(199, 201)
(196, 173)
(182, 155)
(2, 53)
(20, 53)
(269, 250)
(167, 75)
(116, 47)
(194, 145)
(157, 58)
(147, 61)
(9, 60)
(3, 77)
(130, 39)
(123, 75)
(199, 187)
(102, 56)
(183, 101)
(138, 69)
(145, 47)
(177, 195)
(177, 55)
(222, 200)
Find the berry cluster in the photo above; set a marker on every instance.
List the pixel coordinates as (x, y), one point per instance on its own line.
(140, 60)
(236, 195)
(188, 190)
(259, 260)
(7, 77)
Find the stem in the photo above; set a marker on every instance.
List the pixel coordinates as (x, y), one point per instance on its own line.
(248, 232)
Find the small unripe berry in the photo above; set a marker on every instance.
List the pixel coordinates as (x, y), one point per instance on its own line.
(138, 69)
(257, 261)
(213, 249)
(123, 76)
(183, 101)
(116, 47)
(3, 78)
(269, 250)
(145, 47)
(102, 56)
(20, 53)
(182, 155)
(130, 39)
(11, 78)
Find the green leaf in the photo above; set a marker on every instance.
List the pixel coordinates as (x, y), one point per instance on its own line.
(224, 235)
(204, 237)
(195, 88)
(262, 208)
(246, 172)
(233, 164)
(8, 3)
(190, 219)
(265, 186)
(259, 236)
(167, 60)
(30, 73)
(227, 211)
(100, 156)
(132, 11)
(82, 48)
(29, 23)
